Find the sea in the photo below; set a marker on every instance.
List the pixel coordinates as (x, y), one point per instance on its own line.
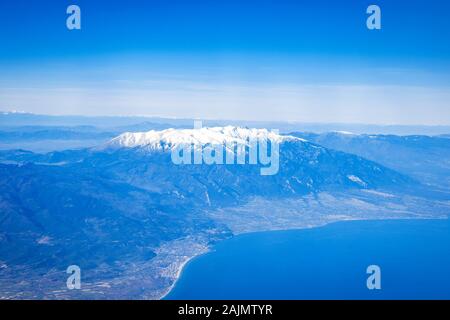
(328, 262)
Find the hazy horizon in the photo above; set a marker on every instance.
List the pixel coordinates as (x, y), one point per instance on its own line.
(136, 123)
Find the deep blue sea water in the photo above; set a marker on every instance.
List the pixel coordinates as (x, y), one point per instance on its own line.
(325, 263)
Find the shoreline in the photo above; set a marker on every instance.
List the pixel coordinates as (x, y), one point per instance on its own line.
(180, 270)
(189, 259)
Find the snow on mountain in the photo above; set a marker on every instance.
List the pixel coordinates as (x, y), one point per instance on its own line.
(356, 180)
(9, 112)
(170, 138)
(346, 133)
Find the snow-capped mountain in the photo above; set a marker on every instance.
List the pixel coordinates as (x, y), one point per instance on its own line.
(170, 138)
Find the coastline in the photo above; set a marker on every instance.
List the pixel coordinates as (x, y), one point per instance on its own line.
(182, 265)
(180, 269)
(210, 275)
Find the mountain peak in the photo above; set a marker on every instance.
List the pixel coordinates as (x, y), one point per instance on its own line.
(169, 138)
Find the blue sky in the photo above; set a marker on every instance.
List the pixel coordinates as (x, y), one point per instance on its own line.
(312, 61)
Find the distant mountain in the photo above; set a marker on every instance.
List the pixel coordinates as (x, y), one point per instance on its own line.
(52, 133)
(140, 123)
(15, 119)
(426, 158)
(43, 138)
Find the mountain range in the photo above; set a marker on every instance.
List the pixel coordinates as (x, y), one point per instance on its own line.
(130, 217)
